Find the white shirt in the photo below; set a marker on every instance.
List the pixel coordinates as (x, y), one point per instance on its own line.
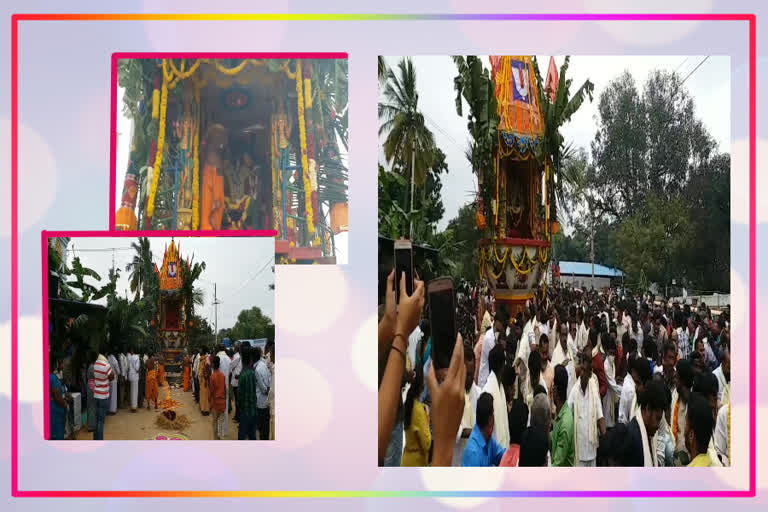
(722, 445)
(587, 448)
(500, 418)
(722, 385)
(224, 366)
(468, 420)
(489, 341)
(237, 367)
(133, 367)
(613, 392)
(625, 403)
(582, 337)
(195, 364)
(559, 356)
(413, 341)
(123, 366)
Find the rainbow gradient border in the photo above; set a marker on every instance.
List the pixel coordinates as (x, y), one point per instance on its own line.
(16, 18)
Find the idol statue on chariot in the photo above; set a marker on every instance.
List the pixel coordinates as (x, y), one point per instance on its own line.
(238, 144)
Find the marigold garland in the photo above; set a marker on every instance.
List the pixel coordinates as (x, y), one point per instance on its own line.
(303, 140)
(155, 103)
(230, 71)
(160, 144)
(674, 420)
(196, 167)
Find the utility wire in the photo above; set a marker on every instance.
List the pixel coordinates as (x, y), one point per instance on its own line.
(694, 69)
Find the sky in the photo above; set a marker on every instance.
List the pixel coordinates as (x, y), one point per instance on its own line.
(709, 86)
(241, 268)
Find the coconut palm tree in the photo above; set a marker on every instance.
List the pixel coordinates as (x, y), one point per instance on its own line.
(409, 143)
(555, 114)
(141, 268)
(192, 296)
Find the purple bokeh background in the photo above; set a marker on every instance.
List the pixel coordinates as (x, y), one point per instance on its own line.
(326, 404)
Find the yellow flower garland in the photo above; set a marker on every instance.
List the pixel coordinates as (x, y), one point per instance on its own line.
(230, 71)
(160, 144)
(196, 167)
(303, 139)
(155, 103)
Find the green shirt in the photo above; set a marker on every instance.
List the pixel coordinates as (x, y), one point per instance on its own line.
(246, 392)
(562, 438)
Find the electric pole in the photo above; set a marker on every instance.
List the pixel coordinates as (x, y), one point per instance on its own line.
(216, 315)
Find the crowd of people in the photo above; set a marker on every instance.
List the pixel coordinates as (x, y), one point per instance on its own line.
(575, 378)
(222, 380)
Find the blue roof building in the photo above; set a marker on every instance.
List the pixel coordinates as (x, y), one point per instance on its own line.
(582, 268)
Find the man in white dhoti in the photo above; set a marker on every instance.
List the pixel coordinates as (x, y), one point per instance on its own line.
(113, 384)
(133, 378)
(224, 367)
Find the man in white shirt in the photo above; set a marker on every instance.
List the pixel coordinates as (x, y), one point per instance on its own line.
(237, 367)
(123, 388)
(113, 392)
(471, 393)
(587, 413)
(723, 374)
(489, 341)
(564, 354)
(133, 378)
(224, 366)
(723, 434)
(195, 373)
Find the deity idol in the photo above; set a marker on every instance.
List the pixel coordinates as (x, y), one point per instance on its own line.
(212, 209)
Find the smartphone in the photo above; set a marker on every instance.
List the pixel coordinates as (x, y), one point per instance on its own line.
(403, 263)
(442, 320)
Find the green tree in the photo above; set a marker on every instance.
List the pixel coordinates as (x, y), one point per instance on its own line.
(88, 291)
(251, 324)
(655, 241)
(190, 272)
(126, 327)
(141, 267)
(200, 333)
(409, 144)
(464, 228)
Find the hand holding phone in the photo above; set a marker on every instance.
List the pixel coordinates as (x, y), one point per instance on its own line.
(410, 309)
(403, 265)
(442, 320)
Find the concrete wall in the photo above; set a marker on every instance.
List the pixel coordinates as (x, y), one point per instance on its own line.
(586, 282)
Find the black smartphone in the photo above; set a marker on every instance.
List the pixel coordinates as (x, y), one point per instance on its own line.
(403, 263)
(442, 320)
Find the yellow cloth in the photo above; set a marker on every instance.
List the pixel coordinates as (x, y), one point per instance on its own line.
(702, 460)
(417, 437)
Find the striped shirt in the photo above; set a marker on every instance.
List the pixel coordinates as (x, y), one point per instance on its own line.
(101, 370)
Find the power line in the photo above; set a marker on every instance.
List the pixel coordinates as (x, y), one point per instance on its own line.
(254, 276)
(440, 128)
(684, 61)
(694, 69)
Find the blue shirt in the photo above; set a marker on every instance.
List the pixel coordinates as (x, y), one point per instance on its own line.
(481, 453)
(263, 383)
(55, 383)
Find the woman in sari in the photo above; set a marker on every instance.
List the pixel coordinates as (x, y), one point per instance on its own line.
(187, 369)
(205, 377)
